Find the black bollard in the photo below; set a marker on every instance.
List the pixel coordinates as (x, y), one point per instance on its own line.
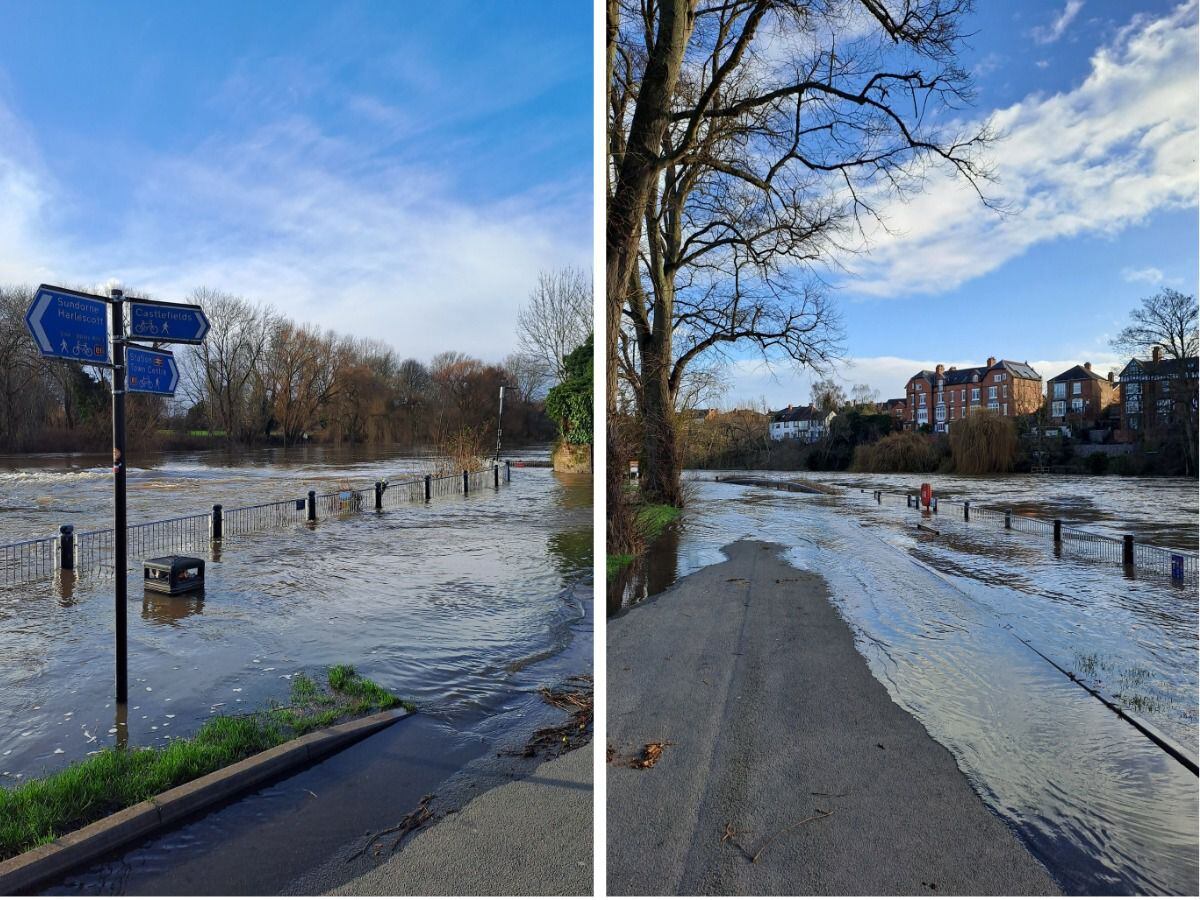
(507, 471)
(496, 477)
(379, 495)
(1127, 550)
(312, 506)
(466, 478)
(1008, 519)
(428, 487)
(966, 510)
(218, 522)
(1058, 531)
(66, 547)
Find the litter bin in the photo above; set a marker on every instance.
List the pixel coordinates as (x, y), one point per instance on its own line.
(173, 574)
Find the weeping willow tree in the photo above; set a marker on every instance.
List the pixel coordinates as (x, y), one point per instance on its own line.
(901, 451)
(984, 443)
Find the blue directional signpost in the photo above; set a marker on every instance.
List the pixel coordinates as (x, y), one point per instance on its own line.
(70, 325)
(73, 325)
(176, 323)
(151, 371)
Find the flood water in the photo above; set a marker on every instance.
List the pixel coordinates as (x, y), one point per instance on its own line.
(458, 605)
(938, 620)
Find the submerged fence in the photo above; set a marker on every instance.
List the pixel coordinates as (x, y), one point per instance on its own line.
(1178, 565)
(70, 550)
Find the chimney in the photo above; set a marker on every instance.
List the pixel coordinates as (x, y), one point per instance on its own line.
(1156, 353)
(991, 361)
(953, 369)
(1087, 366)
(1111, 376)
(940, 368)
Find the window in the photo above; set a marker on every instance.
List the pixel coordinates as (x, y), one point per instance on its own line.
(922, 416)
(1077, 405)
(940, 412)
(1058, 408)
(1060, 390)
(1165, 406)
(1076, 387)
(1004, 409)
(975, 394)
(1000, 376)
(922, 400)
(992, 393)
(993, 405)
(1004, 391)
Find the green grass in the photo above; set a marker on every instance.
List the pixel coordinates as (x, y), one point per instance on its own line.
(650, 520)
(42, 809)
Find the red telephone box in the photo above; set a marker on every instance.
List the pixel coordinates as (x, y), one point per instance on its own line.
(926, 495)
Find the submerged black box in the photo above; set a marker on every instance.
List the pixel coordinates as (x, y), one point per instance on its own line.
(173, 574)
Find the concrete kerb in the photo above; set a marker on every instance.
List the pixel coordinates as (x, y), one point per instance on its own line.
(20, 873)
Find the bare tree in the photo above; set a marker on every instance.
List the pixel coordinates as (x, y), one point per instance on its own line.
(748, 140)
(1167, 320)
(1170, 320)
(527, 375)
(556, 319)
(827, 395)
(864, 395)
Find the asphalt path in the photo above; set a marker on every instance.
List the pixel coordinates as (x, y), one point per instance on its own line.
(527, 837)
(785, 767)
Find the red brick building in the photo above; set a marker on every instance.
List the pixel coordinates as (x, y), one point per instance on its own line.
(944, 396)
(1080, 396)
(896, 408)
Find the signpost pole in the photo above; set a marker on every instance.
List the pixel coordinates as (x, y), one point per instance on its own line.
(120, 550)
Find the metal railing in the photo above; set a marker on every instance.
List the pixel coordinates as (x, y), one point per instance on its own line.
(28, 560)
(1178, 565)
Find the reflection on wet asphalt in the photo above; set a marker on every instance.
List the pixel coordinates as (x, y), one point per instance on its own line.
(936, 618)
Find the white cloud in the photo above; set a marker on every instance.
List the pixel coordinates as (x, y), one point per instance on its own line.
(327, 231)
(1092, 160)
(1148, 275)
(1048, 34)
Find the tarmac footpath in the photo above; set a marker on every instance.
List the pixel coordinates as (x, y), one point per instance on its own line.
(785, 767)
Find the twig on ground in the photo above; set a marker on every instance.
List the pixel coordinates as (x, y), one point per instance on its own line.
(412, 821)
(821, 814)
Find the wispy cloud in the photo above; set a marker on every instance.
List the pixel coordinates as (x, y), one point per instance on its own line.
(1148, 275)
(1048, 34)
(1092, 160)
(326, 228)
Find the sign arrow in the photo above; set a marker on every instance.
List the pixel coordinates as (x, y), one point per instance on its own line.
(70, 325)
(150, 371)
(166, 323)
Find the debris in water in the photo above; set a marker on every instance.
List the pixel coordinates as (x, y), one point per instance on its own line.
(411, 822)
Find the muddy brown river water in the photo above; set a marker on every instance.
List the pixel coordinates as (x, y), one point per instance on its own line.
(448, 604)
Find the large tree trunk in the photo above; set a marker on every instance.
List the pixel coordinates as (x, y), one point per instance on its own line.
(639, 166)
(660, 477)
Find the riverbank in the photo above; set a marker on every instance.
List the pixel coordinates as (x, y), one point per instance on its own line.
(650, 520)
(753, 752)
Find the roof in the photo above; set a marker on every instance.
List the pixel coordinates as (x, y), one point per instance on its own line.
(896, 401)
(1167, 367)
(798, 414)
(974, 374)
(1076, 373)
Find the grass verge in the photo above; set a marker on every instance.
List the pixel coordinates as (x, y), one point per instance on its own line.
(42, 809)
(650, 520)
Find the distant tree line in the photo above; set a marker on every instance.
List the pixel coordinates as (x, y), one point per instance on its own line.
(259, 378)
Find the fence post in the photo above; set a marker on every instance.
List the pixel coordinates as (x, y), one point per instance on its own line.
(966, 510)
(466, 477)
(935, 506)
(379, 495)
(428, 487)
(66, 547)
(879, 496)
(1127, 550)
(312, 506)
(218, 522)
(1008, 519)
(496, 476)
(1058, 531)
(507, 471)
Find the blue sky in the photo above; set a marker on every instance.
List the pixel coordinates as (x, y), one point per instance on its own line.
(1098, 102)
(386, 169)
